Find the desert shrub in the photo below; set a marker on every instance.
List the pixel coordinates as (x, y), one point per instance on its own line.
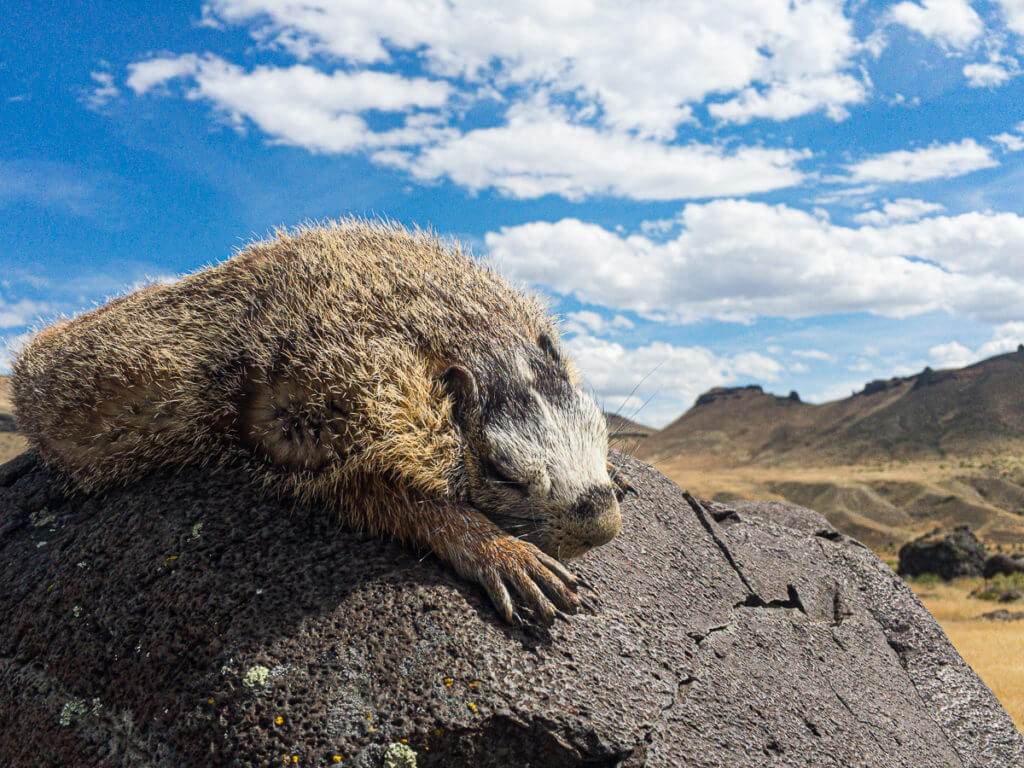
(1003, 588)
(927, 579)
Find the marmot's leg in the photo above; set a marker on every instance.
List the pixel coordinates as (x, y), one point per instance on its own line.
(290, 426)
(620, 480)
(480, 551)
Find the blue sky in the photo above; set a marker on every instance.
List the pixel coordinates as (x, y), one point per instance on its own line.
(805, 194)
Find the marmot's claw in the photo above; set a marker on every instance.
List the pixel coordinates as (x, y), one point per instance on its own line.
(620, 481)
(542, 583)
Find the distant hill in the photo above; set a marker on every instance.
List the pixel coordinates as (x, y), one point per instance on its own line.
(11, 441)
(625, 434)
(899, 456)
(930, 415)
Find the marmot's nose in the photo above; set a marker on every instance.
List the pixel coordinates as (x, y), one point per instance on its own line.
(596, 500)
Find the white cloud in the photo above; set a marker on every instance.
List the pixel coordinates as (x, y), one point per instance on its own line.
(953, 23)
(1013, 14)
(1010, 142)
(814, 354)
(837, 391)
(1005, 338)
(539, 152)
(987, 74)
(21, 312)
(782, 102)
(144, 76)
(301, 105)
(640, 64)
(937, 161)
(950, 355)
(10, 346)
(670, 376)
(737, 260)
(901, 209)
(102, 91)
(585, 321)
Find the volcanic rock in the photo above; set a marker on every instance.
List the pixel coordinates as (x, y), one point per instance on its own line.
(187, 622)
(946, 554)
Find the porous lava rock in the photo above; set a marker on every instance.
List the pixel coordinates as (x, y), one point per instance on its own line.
(186, 622)
(949, 554)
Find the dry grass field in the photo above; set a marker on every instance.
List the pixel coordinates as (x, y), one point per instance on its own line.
(995, 649)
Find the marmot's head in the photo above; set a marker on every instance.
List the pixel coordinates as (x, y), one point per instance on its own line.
(536, 449)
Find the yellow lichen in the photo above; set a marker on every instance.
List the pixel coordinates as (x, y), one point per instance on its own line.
(278, 720)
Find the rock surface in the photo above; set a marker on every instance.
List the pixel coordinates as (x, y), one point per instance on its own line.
(186, 622)
(949, 554)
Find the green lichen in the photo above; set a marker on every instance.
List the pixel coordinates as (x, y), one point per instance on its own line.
(76, 709)
(399, 756)
(197, 531)
(255, 676)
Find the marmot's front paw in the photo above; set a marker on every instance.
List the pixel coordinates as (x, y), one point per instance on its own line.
(543, 583)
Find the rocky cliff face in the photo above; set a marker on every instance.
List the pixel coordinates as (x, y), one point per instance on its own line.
(187, 622)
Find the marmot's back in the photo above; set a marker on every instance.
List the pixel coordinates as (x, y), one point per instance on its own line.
(319, 346)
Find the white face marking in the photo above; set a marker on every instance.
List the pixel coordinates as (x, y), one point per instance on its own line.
(562, 453)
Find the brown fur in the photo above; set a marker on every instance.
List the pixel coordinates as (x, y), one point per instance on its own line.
(318, 358)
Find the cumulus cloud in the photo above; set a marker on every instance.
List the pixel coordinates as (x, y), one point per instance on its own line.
(664, 376)
(784, 101)
(1005, 338)
(641, 64)
(952, 23)
(301, 105)
(1010, 142)
(937, 161)
(988, 73)
(737, 260)
(585, 321)
(1013, 14)
(902, 209)
(539, 152)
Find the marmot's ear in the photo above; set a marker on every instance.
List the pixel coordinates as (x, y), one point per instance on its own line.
(547, 345)
(461, 385)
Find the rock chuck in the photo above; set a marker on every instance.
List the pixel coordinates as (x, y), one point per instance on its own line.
(379, 373)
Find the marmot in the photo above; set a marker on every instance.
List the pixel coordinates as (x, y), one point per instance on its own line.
(381, 373)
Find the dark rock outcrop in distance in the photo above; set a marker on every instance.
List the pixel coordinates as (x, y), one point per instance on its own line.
(185, 622)
(722, 393)
(949, 554)
(1002, 564)
(1003, 615)
(7, 423)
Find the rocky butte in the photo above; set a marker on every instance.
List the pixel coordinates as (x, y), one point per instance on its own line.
(184, 621)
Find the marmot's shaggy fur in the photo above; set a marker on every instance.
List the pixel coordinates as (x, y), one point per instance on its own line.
(358, 366)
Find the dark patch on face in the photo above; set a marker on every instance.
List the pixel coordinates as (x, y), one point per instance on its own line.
(506, 395)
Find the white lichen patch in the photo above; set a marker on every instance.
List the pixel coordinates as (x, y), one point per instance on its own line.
(76, 611)
(399, 756)
(255, 676)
